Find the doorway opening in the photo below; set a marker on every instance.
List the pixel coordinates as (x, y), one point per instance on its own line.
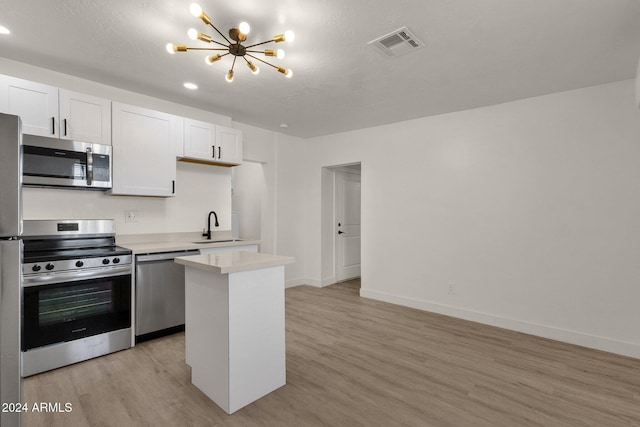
(341, 215)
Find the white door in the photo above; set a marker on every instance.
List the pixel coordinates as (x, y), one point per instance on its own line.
(347, 226)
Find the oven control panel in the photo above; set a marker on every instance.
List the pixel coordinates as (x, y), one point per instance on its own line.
(74, 264)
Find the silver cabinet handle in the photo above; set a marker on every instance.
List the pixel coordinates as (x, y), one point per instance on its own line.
(89, 166)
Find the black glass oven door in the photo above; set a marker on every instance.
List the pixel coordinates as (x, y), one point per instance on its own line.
(68, 311)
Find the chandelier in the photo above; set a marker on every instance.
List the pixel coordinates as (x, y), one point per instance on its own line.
(234, 46)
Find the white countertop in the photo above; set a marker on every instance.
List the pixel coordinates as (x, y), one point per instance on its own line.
(168, 242)
(233, 262)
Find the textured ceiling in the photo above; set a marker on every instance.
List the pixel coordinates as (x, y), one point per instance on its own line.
(478, 52)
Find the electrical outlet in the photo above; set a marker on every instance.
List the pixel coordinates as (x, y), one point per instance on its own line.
(452, 289)
(130, 216)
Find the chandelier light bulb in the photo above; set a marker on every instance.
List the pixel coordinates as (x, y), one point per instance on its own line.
(244, 28)
(229, 76)
(286, 71)
(192, 33)
(171, 48)
(289, 36)
(254, 69)
(280, 53)
(195, 10)
(212, 58)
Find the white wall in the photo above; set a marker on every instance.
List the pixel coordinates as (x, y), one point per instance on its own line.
(294, 199)
(249, 192)
(261, 146)
(199, 189)
(529, 209)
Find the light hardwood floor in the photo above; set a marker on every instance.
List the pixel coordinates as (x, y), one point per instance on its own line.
(358, 362)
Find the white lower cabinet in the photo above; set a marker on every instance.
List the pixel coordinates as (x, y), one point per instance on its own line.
(144, 151)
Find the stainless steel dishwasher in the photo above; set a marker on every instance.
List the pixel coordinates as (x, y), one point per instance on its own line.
(159, 294)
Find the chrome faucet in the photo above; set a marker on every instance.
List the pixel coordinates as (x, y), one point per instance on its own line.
(208, 233)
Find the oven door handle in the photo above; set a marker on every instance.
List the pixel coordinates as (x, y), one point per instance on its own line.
(72, 276)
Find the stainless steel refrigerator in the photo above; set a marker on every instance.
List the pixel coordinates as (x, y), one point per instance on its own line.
(10, 267)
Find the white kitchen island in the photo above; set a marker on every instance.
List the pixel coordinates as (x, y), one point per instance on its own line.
(234, 325)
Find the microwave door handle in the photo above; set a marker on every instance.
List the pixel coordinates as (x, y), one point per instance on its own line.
(89, 166)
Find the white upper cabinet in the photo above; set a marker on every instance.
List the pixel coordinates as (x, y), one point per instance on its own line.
(229, 145)
(84, 117)
(58, 113)
(144, 151)
(199, 140)
(35, 103)
(208, 143)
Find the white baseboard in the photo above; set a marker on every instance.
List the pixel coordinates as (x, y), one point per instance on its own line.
(302, 281)
(328, 281)
(311, 282)
(558, 334)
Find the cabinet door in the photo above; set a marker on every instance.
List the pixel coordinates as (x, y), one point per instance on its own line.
(85, 118)
(229, 149)
(199, 140)
(35, 103)
(144, 151)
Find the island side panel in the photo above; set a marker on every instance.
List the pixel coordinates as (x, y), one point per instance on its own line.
(257, 360)
(207, 333)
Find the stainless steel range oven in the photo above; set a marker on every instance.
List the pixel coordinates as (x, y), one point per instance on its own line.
(76, 293)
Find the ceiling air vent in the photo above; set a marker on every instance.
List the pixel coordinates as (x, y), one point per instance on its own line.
(397, 43)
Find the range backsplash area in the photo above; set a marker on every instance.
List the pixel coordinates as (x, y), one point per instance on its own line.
(199, 189)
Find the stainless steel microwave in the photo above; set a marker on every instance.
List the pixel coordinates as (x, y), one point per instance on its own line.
(50, 162)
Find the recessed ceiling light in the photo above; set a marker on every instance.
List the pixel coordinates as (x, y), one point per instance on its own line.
(191, 86)
(4, 30)
(284, 125)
